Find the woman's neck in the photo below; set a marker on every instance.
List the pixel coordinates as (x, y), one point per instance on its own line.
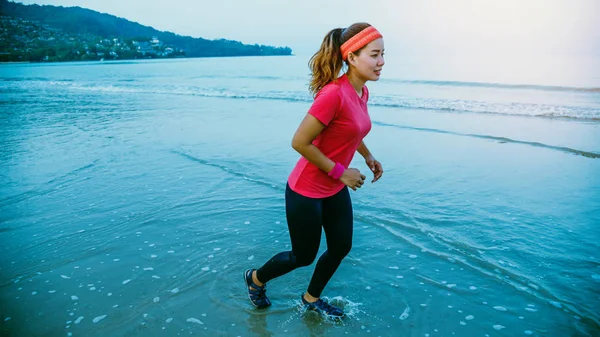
(357, 82)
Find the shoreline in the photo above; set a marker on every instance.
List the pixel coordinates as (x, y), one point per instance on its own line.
(141, 59)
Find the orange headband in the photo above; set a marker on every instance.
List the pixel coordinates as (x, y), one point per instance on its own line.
(363, 38)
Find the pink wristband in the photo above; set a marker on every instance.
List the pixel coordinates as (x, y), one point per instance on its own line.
(337, 171)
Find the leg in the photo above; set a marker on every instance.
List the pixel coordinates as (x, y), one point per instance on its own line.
(338, 226)
(304, 216)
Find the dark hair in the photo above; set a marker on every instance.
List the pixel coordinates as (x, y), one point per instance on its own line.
(327, 62)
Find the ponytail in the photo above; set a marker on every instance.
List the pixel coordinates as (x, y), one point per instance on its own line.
(327, 62)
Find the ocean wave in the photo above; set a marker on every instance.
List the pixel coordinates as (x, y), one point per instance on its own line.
(565, 149)
(228, 169)
(253, 77)
(448, 105)
(516, 86)
(33, 79)
(46, 187)
(500, 108)
(385, 101)
(498, 85)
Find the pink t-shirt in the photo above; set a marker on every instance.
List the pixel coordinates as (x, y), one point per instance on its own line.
(347, 122)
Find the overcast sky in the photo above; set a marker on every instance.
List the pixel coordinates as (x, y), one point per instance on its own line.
(448, 26)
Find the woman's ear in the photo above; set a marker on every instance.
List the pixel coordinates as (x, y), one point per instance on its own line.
(352, 58)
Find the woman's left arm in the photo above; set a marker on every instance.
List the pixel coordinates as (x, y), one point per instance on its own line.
(372, 163)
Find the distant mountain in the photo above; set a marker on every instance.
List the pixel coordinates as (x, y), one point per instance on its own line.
(79, 26)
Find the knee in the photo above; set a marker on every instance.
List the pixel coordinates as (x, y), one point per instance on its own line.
(341, 250)
(303, 260)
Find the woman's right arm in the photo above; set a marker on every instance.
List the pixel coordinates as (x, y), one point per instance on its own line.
(309, 129)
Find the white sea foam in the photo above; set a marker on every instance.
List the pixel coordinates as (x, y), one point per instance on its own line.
(99, 318)
(556, 304)
(405, 313)
(194, 320)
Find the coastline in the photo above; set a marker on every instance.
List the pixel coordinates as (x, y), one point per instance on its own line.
(141, 59)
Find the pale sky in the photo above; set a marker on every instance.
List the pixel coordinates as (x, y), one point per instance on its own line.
(408, 26)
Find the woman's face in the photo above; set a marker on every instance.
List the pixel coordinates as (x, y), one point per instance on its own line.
(369, 61)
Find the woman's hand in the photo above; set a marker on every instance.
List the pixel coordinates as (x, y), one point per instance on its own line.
(375, 167)
(353, 178)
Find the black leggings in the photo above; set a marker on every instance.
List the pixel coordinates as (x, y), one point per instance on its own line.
(305, 218)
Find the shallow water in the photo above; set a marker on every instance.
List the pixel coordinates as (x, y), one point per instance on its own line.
(133, 196)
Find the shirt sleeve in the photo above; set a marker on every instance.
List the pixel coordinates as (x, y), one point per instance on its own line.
(326, 104)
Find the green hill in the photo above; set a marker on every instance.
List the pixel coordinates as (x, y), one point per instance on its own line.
(53, 33)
